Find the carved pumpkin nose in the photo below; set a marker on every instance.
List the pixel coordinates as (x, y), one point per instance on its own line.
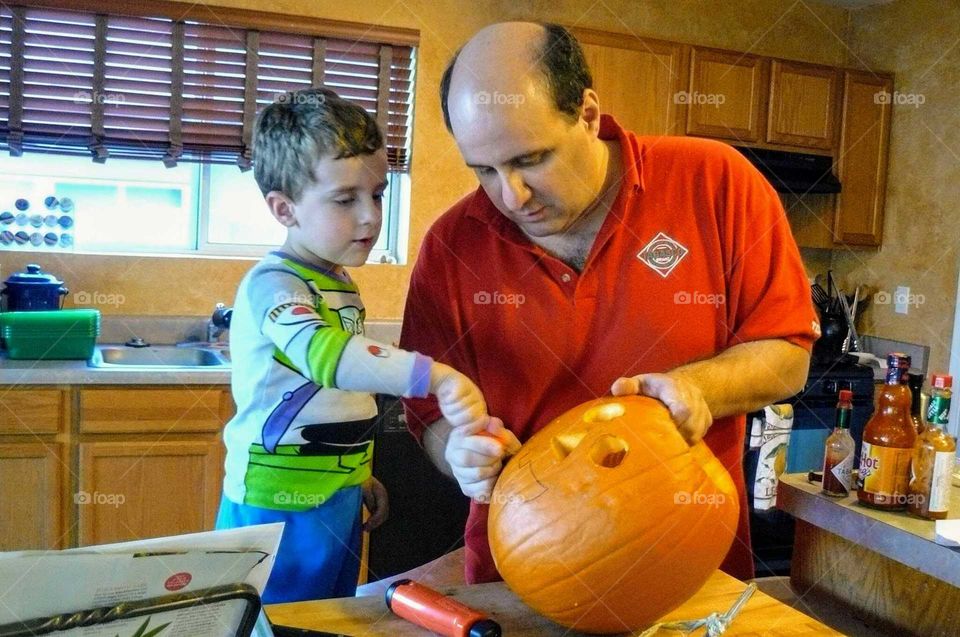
(607, 520)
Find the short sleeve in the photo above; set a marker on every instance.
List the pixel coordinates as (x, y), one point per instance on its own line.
(768, 294)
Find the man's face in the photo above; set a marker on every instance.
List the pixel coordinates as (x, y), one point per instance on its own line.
(535, 164)
(338, 216)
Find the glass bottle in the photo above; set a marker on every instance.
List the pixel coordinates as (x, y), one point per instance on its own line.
(933, 457)
(888, 441)
(838, 453)
(915, 381)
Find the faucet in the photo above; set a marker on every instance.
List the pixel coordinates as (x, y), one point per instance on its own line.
(219, 322)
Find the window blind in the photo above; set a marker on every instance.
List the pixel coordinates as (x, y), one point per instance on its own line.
(154, 87)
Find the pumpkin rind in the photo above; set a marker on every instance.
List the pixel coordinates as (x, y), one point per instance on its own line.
(606, 523)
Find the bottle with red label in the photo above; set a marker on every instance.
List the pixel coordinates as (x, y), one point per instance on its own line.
(888, 441)
(933, 457)
(838, 452)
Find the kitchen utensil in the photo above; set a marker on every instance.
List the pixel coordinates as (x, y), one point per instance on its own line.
(436, 612)
(819, 296)
(854, 337)
(33, 290)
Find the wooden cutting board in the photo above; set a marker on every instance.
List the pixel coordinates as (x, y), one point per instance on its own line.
(369, 617)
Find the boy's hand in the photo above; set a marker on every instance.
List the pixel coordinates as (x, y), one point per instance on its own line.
(461, 402)
(377, 503)
(477, 443)
(477, 458)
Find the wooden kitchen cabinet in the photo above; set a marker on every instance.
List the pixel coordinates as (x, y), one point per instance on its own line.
(34, 468)
(31, 496)
(640, 82)
(804, 100)
(862, 158)
(131, 489)
(33, 411)
(154, 410)
(150, 460)
(727, 95)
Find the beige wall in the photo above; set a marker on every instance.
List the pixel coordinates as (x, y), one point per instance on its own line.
(181, 286)
(918, 41)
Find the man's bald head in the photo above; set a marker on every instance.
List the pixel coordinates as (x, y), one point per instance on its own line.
(514, 53)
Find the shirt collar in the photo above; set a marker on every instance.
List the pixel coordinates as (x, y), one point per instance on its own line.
(631, 156)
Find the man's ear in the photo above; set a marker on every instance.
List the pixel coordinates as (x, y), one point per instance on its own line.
(590, 110)
(281, 208)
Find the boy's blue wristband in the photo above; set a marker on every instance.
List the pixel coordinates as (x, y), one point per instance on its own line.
(420, 376)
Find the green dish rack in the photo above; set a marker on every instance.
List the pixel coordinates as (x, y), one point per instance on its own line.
(50, 335)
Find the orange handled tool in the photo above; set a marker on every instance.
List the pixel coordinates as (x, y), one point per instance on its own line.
(434, 611)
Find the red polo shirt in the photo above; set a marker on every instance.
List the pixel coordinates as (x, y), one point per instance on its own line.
(695, 256)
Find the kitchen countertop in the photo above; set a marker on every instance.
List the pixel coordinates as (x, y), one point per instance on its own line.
(881, 568)
(64, 372)
(26, 372)
(895, 535)
(367, 615)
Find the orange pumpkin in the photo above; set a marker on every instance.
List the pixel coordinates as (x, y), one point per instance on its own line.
(606, 519)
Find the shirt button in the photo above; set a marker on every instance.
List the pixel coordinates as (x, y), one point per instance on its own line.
(565, 277)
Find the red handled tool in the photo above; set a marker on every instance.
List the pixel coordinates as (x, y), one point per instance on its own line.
(434, 611)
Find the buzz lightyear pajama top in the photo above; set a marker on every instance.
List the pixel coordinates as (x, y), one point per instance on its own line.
(301, 442)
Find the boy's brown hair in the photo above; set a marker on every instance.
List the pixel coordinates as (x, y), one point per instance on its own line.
(299, 129)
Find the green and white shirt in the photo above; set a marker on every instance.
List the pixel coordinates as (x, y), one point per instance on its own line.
(303, 380)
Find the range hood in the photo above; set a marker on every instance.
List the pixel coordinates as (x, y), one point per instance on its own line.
(794, 173)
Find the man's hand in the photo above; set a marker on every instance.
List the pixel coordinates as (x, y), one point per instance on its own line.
(377, 503)
(461, 402)
(686, 403)
(475, 459)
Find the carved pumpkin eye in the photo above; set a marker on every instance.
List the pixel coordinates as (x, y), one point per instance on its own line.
(608, 451)
(603, 413)
(564, 444)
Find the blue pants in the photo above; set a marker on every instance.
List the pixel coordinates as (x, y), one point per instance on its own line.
(319, 555)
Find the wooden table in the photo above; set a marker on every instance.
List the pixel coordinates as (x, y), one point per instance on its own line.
(883, 567)
(368, 616)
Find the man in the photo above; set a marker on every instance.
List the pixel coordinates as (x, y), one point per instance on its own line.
(590, 260)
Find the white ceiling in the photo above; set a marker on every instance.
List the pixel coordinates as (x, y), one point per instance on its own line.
(854, 4)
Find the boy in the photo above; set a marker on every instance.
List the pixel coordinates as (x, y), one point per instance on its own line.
(299, 448)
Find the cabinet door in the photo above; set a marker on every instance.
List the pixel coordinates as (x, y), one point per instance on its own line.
(862, 160)
(134, 490)
(727, 98)
(31, 496)
(639, 82)
(803, 101)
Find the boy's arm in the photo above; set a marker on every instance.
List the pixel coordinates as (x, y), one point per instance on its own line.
(327, 354)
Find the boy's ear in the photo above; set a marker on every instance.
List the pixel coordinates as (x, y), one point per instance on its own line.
(281, 208)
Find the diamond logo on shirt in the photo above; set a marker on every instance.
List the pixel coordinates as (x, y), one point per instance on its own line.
(662, 254)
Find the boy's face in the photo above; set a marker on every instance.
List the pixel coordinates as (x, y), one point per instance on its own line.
(337, 218)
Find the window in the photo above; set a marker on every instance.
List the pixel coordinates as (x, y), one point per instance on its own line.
(133, 206)
(140, 92)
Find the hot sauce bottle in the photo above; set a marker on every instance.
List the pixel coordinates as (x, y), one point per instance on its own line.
(888, 441)
(915, 382)
(933, 457)
(838, 452)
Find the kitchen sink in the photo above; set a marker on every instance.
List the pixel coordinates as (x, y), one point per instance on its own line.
(159, 357)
